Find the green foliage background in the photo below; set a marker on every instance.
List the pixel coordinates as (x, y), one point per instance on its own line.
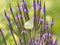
(53, 9)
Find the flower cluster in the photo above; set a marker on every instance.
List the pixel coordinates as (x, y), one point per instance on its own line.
(40, 34)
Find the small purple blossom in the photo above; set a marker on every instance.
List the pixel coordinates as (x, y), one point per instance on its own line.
(44, 9)
(18, 16)
(56, 43)
(52, 22)
(46, 27)
(19, 8)
(21, 41)
(41, 20)
(26, 10)
(35, 17)
(23, 32)
(6, 16)
(2, 31)
(11, 9)
(9, 22)
(31, 40)
(34, 4)
(39, 6)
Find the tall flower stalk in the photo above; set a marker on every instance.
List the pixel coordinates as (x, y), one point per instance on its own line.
(40, 34)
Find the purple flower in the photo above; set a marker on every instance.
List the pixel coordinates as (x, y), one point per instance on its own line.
(11, 9)
(41, 20)
(46, 27)
(9, 22)
(34, 4)
(6, 16)
(31, 40)
(35, 42)
(19, 8)
(26, 10)
(23, 4)
(35, 17)
(21, 41)
(23, 32)
(56, 43)
(42, 43)
(44, 37)
(2, 31)
(18, 16)
(44, 9)
(52, 22)
(39, 6)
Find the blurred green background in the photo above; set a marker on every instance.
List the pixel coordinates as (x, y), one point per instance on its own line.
(53, 9)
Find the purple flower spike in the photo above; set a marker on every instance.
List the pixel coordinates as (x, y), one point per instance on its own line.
(39, 6)
(46, 27)
(23, 32)
(50, 35)
(35, 42)
(44, 10)
(18, 6)
(23, 3)
(44, 37)
(41, 20)
(56, 43)
(21, 41)
(26, 10)
(31, 40)
(18, 16)
(38, 35)
(9, 22)
(2, 31)
(34, 18)
(52, 22)
(42, 43)
(6, 16)
(11, 9)
(34, 4)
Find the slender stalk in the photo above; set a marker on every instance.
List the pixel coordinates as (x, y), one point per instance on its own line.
(44, 16)
(22, 22)
(14, 18)
(13, 37)
(10, 26)
(25, 10)
(3, 37)
(24, 39)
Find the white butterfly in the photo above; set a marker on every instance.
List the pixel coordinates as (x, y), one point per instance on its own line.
(29, 24)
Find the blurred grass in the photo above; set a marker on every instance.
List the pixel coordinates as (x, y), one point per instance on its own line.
(53, 9)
